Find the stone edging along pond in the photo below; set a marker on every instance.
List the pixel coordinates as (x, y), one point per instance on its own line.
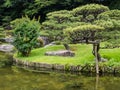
(73, 68)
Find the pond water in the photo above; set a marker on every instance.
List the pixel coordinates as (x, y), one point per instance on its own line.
(13, 78)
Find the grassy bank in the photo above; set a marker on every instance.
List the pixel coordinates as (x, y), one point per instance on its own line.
(82, 57)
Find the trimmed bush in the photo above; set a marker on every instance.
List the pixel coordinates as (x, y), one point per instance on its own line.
(25, 34)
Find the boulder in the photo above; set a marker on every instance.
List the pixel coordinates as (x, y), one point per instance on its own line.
(7, 40)
(45, 39)
(60, 53)
(2, 40)
(50, 44)
(103, 60)
(6, 48)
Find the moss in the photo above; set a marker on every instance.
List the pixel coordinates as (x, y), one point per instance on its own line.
(67, 67)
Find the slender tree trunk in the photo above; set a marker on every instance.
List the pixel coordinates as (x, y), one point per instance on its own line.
(96, 59)
(66, 46)
(97, 48)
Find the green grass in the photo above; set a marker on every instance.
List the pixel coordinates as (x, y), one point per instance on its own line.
(83, 55)
(113, 55)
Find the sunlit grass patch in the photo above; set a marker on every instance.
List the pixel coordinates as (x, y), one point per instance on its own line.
(83, 55)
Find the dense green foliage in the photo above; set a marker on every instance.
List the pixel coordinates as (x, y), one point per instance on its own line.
(85, 32)
(12, 9)
(113, 14)
(55, 23)
(90, 9)
(32, 8)
(92, 14)
(25, 34)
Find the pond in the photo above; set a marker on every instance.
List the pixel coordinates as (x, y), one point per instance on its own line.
(5, 59)
(14, 78)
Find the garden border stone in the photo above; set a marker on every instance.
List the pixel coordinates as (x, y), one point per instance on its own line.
(70, 68)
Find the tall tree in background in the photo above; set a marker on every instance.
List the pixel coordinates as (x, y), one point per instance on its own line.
(12, 9)
(1, 11)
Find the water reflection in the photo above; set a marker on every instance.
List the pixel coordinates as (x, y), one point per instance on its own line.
(5, 59)
(97, 82)
(18, 79)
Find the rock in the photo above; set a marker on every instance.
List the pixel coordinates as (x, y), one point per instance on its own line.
(2, 40)
(48, 66)
(104, 60)
(60, 53)
(51, 44)
(58, 67)
(7, 40)
(45, 39)
(7, 48)
(73, 68)
(8, 27)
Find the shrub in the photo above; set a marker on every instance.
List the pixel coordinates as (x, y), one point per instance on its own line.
(25, 34)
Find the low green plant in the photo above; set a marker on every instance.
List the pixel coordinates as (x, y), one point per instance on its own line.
(26, 32)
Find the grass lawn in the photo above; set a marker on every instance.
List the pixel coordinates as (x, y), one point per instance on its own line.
(83, 55)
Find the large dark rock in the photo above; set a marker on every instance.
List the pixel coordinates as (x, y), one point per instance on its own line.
(6, 48)
(2, 40)
(60, 53)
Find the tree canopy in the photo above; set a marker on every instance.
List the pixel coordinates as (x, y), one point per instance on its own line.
(57, 21)
(12, 9)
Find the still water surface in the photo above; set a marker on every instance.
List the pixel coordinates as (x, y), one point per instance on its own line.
(13, 78)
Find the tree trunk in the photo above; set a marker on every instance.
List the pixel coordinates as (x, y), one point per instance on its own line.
(97, 45)
(66, 46)
(96, 59)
